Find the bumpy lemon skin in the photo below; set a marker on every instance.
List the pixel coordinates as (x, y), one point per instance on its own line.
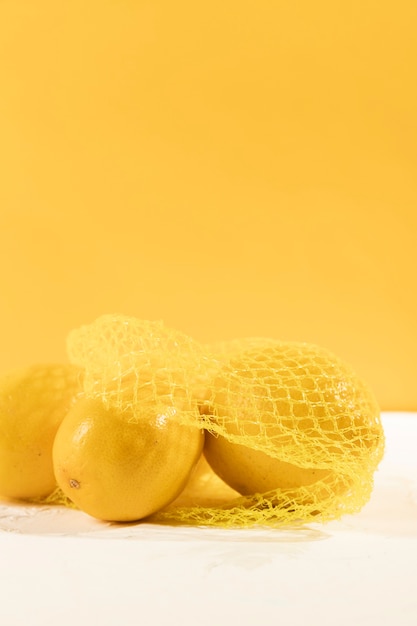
(120, 469)
(33, 402)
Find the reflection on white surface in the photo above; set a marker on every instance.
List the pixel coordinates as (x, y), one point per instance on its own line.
(59, 566)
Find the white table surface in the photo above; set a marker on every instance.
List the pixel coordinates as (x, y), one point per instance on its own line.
(61, 567)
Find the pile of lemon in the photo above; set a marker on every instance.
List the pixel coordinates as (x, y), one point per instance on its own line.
(145, 423)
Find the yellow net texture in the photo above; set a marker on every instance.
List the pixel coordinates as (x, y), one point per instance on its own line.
(291, 428)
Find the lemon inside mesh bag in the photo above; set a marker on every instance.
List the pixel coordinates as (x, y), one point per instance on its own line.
(293, 405)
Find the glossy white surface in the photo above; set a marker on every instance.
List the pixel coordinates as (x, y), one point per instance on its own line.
(61, 567)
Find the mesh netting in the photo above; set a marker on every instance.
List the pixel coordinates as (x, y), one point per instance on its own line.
(293, 417)
(292, 430)
(130, 362)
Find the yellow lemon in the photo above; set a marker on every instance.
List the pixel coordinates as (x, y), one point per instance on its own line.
(33, 402)
(205, 488)
(287, 415)
(251, 471)
(124, 466)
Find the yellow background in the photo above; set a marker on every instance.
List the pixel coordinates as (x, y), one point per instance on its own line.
(232, 167)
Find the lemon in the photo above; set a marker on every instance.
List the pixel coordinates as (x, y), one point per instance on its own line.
(33, 402)
(205, 488)
(288, 415)
(251, 471)
(120, 466)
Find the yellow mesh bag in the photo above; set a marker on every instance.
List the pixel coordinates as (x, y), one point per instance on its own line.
(289, 409)
(129, 362)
